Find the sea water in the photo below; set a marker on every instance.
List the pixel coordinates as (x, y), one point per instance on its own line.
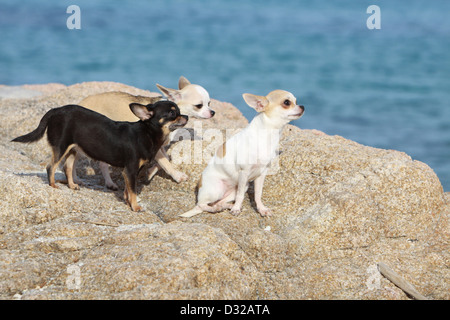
(387, 88)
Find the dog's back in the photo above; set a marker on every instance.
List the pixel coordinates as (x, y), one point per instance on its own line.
(59, 122)
(115, 104)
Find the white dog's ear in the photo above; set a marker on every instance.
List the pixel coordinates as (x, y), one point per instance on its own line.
(256, 102)
(183, 82)
(141, 111)
(171, 94)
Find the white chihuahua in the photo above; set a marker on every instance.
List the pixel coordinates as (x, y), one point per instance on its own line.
(193, 100)
(246, 156)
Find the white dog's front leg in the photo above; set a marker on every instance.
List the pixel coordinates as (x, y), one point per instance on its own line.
(152, 171)
(242, 187)
(164, 163)
(104, 167)
(262, 209)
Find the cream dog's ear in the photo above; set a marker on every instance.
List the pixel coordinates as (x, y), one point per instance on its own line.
(183, 82)
(171, 94)
(256, 102)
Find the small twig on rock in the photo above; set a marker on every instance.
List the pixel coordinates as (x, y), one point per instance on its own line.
(399, 282)
(100, 223)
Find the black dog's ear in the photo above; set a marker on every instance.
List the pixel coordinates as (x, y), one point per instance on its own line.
(141, 111)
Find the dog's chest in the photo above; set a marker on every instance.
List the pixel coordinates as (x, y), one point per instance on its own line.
(258, 146)
(254, 150)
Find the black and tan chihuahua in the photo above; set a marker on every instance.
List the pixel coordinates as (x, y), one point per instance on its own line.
(127, 145)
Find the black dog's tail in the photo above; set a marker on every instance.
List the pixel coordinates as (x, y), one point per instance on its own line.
(37, 133)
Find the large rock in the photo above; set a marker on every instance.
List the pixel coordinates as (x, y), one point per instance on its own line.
(148, 261)
(338, 207)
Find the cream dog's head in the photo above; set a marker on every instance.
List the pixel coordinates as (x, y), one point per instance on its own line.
(280, 106)
(192, 99)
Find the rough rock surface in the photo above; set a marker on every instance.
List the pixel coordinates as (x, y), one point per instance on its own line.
(338, 207)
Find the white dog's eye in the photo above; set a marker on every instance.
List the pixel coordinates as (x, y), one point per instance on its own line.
(287, 102)
(199, 106)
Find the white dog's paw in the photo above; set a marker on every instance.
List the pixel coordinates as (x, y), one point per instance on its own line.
(235, 211)
(111, 185)
(179, 176)
(265, 212)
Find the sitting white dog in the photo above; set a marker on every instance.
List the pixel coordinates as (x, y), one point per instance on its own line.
(246, 156)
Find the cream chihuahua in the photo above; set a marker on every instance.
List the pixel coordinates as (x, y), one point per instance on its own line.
(246, 156)
(193, 101)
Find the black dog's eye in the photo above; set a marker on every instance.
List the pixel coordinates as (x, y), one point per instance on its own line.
(287, 103)
(172, 114)
(199, 106)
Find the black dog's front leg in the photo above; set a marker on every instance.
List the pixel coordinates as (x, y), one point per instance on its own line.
(130, 174)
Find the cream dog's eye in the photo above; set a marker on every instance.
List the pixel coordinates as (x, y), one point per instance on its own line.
(287, 103)
(198, 106)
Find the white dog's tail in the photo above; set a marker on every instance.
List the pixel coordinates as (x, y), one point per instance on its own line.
(196, 210)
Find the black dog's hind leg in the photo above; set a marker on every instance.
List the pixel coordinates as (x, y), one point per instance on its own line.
(57, 155)
(68, 169)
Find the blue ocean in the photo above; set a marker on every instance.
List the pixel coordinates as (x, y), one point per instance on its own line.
(387, 88)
